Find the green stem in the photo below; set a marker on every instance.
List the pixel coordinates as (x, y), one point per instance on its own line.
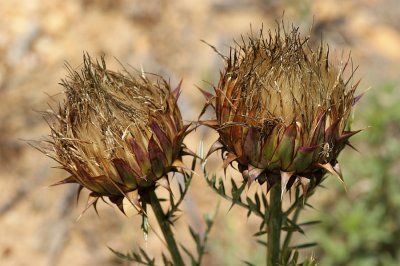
(165, 228)
(274, 225)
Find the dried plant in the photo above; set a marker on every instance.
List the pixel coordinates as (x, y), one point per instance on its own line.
(282, 113)
(282, 110)
(119, 135)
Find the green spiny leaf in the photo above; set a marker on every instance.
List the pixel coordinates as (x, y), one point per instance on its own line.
(306, 245)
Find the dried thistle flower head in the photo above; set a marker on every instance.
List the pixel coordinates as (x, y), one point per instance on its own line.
(282, 109)
(116, 134)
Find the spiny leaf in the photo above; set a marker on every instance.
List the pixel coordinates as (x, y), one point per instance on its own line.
(262, 242)
(193, 260)
(306, 245)
(294, 227)
(148, 259)
(260, 233)
(248, 263)
(166, 261)
(309, 223)
(135, 257)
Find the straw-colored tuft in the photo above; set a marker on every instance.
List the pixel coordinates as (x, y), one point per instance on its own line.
(116, 132)
(282, 106)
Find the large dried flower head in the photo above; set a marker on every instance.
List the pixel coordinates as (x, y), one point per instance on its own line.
(116, 134)
(282, 109)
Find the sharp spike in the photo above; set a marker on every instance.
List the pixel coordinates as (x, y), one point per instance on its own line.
(68, 180)
(208, 96)
(338, 169)
(351, 146)
(216, 146)
(121, 208)
(305, 183)
(285, 176)
(328, 167)
(254, 172)
(357, 98)
(92, 200)
(347, 134)
(229, 158)
(187, 151)
(177, 91)
(118, 201)
(78, 193)
(179, 164)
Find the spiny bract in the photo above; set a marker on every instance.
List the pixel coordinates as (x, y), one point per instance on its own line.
(282, 109)
(116, 134)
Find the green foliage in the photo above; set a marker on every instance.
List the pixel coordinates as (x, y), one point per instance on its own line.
(362, 226)
(258, 205)
(200, 242)
(141, 257)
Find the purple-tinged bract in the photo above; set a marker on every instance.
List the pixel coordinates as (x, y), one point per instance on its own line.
(282, 109)
(116, 134)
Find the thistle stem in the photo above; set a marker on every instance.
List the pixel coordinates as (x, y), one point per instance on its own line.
(274, 225)
(165, 228)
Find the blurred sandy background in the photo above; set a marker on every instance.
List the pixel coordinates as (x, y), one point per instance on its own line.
(37, 222)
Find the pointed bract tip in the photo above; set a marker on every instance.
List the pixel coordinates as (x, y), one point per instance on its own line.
(179, 164)
(92, 201)
(177, 91)
(187, 151)
(230, 157)
(207, 95)
(285, 176)
(329, 168)
(217, 145)
(67, 180)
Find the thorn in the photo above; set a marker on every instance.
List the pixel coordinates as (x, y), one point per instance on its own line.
(208, 96)
(351, 146)
(68, 180)
(177, 91)
(229, 158)
(179, 164)
(328, 167)
(118, 201)
(216, 146)
(92, 200)
(338, 169)
(187, 151)
(357, 98)
(78, 193)
(304, 182)
(252, 174)
(285, 176)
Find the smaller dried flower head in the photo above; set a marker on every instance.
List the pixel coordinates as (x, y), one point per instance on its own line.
(282, 109)
(116, 134)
